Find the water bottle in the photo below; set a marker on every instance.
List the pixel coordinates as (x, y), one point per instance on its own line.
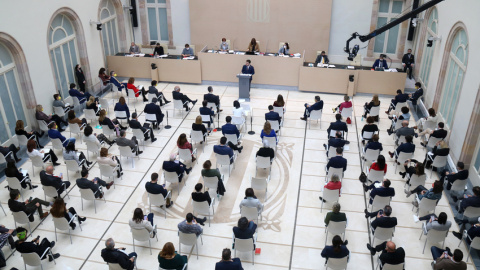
(362, 118)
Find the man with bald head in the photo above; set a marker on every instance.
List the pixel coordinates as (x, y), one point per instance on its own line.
(404, 131)
(179, 96)
(110, 254)
(134, 48)
(49, 180)
(390, 253)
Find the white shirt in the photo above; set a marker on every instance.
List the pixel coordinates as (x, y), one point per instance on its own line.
(35, 153)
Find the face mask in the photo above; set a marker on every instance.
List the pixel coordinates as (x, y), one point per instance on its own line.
(42, 109)
(115, 75)
(416, 87)
(59, 98)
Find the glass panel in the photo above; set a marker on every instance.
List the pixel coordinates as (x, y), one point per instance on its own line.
(152, 24)
(115, 41)
(7, 105)
(162, 1)
(151, 1)
(397, 7)
(162, 14)
(68, 64)
(105, 41)
(392, 39)
(3, 135)
(61, 71)
(16, 99)
(57, 22)
(434, 14)
(429, 65)
(383, 7)
(73, 53)
(110, 37)
(380, 39)
(111, 7)
(58, 35)
(57, 77)
(477, 162)
(104, 14)
(460, 54)
(68, 26)
(5, 57)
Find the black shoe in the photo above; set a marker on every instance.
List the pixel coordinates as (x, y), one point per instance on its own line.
(324, 145)
(346, 242)
(55, 256)
(73, 225)
(139, 152)
(321, 199)
(347, 142)
(56, 164)
(41, 147)
(391, 154)
(372, 250)
(403, 174)
(303, 118)
(240, 149)
(166, 102)
(187, 171)
(458, 235)
(367, 214)
(171, 203)
(33, 187)
(18, 160)
(52, 244)
(80, 220)
(455, 199)
(365, 187)
(195, 101)
(145, 100)
(154, 140)
(363, 142)
(424, 145)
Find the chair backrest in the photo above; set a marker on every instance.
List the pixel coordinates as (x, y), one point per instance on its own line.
(76, 102)
(107, 131)
(251, 213)
(31, 259)
(337, 171)
(401, 140)
(374, 175)
(331, 195)
(258, 183)
(131, 93)
(114, 266)
(347, 112)
(2, 159)
(150, 117)
(37, 161)
(399, 106)
(417, 180)
(126, 151)
(316, 115)
(69, 100)
(272, 141)
(206, 118)
(436, 236)
(337, 264)
(432, 141)
(275, 125)
(398, 124)
(157, 199)
(72, 165)
(196, 135)
(475, 243)
(20, 217)
(334, 132)
(380, 201)
(22, 140)
(106, 170)
(90, 114)
(184, 154)
(171, 177)
(238, 120)
(210, 182)
(429, 125)
(384, 234)
(43, 126)
(59, 111)
(140, 234)
(459, 185)
(50, 191)
(372, 155)
(138, 133)
(61, 223)
(388, 266)
(87, 194)
(472, 211)
(151, 97)
(212, 106)
(177, 104)
(57, 143)
(104, 103)
(402, 157)
(278, 110)
(244, 245)
(222, 159)
(375, 111)
(121, 114)
(201, 208)
(14, 183)
(263, 162)
(439, 161)
(92, 147)
(367, 135)
(74, 128)
(337, 227)
(189, 239)
(426, 205)
(332, 151)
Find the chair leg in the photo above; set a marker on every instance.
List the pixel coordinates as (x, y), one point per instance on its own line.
(95, 206)
(56, 234)
(69, 233)
(150, 245)
(423, 251)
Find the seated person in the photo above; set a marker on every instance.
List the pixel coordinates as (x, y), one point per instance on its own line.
(224, 45)
(399, 98)
(146, 130)
(168, 258)
(447, 261)
(46, 156)
(382, 191)
(267, 131)
(272, 115)
(279, 102)
(336, 142)
(211, 98)
(13, 172)
(345, 104)
(369, 127)
(374, 144)
(337, 161)
(35, 245)
(130, 85)
(440, 149)
(140, 221)
(199, 126)
(6, 235)
(338, 125)
(98, 140)
(207, 171)
(369, 105)
(238, 113)
(435, 193)
(159, 94)
(95, 184)
(390, 253)
(113, 80)
(284, 50)
(20, 130)
(70, 153)
(245, 229)
(380, 165)
(204, 110)
(108, 159)
(189, 225)
(72, 119)
(439, 223)
(472, 232)
(439, 133)
(187, 51)
(182, 143)
(92, 104)
(406, 147)
(405, 116)
(153, 108)
(199, 196)
(432, 118)
(184, 98)
(110, 254)
(227, 262)
(470, 200)
(59, 210)
(47, 178)
(335, 215)
(266, 151)
(173, 165)
(132, 143)
(40, 115)
(230, 128)
(333, 184)
(322, 58)
(121, 106)
(318, 105)
(53, 133)
(81, 96)
(112, 124)
(253, 46)
(382, 218)
(418, 93)
(417, 169)
(224, 149)
(106, 86)
(450, 177)
(153, 187)
(134, 49)
(28, 207)
(251, 200)
(380, 62)
(57, 102)
(158, 50)
(404, 131)
(337, 250)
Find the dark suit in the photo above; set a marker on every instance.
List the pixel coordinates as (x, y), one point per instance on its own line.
(381, 192)
(158, 50)
(172, 166)
(230, 129)
(406, 148)
(53, 181)
(80, 79)
(84, 183)
(155, 188)
(272, 116)
(319, 59)
(384, 222)
(470, 201)
(223, 150)
(461, 175)
(207, 111)
(383, 64)
(212, 98)
(408, 59)
(416, 96)
(398, 98)
(115, 256)
(228, 265)
(29, 247)
(328, 252)
(201, 197)
(122, 108)
(81, 97)
(247, 233)
(248, 70)
(339, 126)
(335, 142)
(337, 162)
(152, 108)
(27, 208)
(266, 152)
(374, 146)
(396, 257)
(179, 96)
(439, 133)
(134, 124)
(314, 107)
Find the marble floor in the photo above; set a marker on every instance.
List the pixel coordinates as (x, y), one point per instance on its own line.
(291, 234)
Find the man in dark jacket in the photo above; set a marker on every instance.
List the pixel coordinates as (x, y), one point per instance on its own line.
(173, 165)
(94, 184)
(35, 245)
(134, 124)
(390, 253)
(153, 108)
(318, 105)
(199, 196)
(204, 110)
(48, 179)
(399, 98)
(28, 207)
(210, 97)
(110, 254)
(184, 98)
(266, 151)
(338, 125)
(462, 174)
(153, 187)
(272, 115)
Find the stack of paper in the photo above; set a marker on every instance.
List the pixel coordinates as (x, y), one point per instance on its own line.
(331, 66)
(189, 58)
(210, 51)
(164, 55)
(231, 51)
(350, 67)
(297, 55)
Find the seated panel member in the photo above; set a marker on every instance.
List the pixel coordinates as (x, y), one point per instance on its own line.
(318, 105)
(322, 58)
(224, 45)
(187, 51)
(380, 62)
(285, 49)
(158, 50)
(134, 48)
(253, 46)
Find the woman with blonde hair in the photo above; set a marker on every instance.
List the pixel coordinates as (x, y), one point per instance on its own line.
(112, 124)
(20, 130)
(369, 105)
(108, 159)
(267, 131)
(199, 126)
(182, 143)
(170, 259)
(130, 85)
(92, 104)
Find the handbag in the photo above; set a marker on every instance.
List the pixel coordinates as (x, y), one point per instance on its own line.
(362, 177)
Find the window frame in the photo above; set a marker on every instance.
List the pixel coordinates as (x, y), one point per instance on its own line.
(389, 17)
(156, 6)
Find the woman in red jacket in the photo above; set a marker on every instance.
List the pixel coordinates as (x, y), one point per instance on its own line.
(333, 184)
(130, 85)
(183, 143)
(380, 165)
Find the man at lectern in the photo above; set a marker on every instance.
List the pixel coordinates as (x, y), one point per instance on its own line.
(248, 68)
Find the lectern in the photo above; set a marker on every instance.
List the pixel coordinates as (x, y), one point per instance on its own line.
(244, 86)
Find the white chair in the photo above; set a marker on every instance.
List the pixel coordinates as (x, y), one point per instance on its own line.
(367, 135)
(240, 122)
(400, 140)
(186, 155)
(152, 119)
(151, 96)
(172, 177)
(396, 124)
(121, 116)
(43, 125)
(260, 184)
(75, 129)
(203, 209)
(434, 236)
(131, 95)
(72, 166)
(88, 195)
(105, 104)
(184, 267)
(23, 140)
(428, 124)
(57, 144)
(315, 115)
(330, 195)
(14, 183)
(379, 202)
(336, 228)
(399, 106)
(279, 110)
(402, 157)
(69, 100)
(144, 235)
(178, 105)
(387, 266)
(334, 132)
(382, 234)
(198, 136)
(275, 126)
(224, 160)
(432, 141)
(211, 183)
(126, 152)
(159, 200)
(233, 138)
(109, 172)
(90, 115)
(32, 258)
(416, 180)
(140, 135)
(208, 119)
(251, 213)
(52, 192)
(337, 264)
(272, 141)
(459, 186)
(60, 111)
(22, 219)
(245, 245)
(425, 205)
(375, 112)
(3, 158)
(332, 151)
(346, 113)
(76, 102)
(212, 106)
(263, 163)
(189, 239)
(37, 162)
(332, 171)
(370, 155)
(474, 243)
(374, 175)
(92, 147)
(64, 225)
(108, 132)
(471, 212)
(437, 162)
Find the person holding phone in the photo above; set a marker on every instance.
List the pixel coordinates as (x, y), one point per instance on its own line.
(110, 254)
(140, 221)
(29, 206)
(35, 245)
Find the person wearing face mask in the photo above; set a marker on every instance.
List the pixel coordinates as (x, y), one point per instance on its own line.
(322, 58)
(57, 102)
(120, 86)
(80, 77)
(284, 50)
(418, 93)
(224, 45)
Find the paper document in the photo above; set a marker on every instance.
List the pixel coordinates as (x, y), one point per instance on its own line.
(240, 53)
(297, 54)
(220, 52)
(189, 58)
(231, 51)
(210, 51)
(331, 66)
(350, 67)
(163, 55)
(346, 147)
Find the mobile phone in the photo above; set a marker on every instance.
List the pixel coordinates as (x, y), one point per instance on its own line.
(446, 253)
(30, 199)
(61, 174)
(380, 212)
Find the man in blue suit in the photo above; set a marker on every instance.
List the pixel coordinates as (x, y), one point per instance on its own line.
(383, 191)
(337, 161)
(374, 144)
(207, 111)
(229, 128)
(413, 98)
(153, 108)
(380, 63)
(120, 86)
(227, 262)
(53, 133)
(176, 166)
(407, 147)
(337, 125)
(223, 149)
(398, 98)
(210, 97)
(82, 97)
(470, 200)
(248, 68)
(336, 142)
(318, 105)
(272, 116)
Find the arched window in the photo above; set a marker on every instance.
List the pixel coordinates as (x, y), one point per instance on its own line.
(428, 51)
(108, 18)
(62, 44)
(11, 101)
(456, 66)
